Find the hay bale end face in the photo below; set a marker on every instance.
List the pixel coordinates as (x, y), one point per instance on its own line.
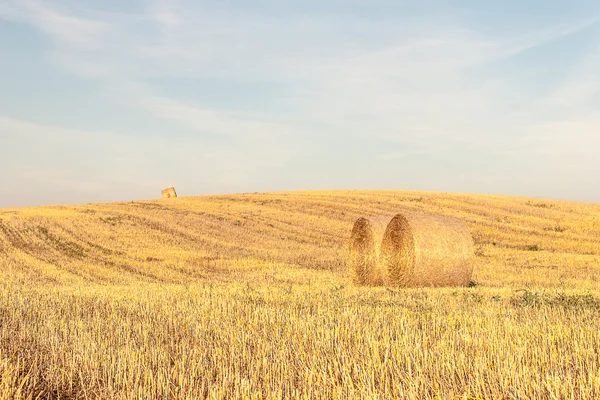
(423, 250)
(169, 193)
(362, 252)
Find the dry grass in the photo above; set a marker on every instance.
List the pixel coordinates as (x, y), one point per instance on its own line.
(248, 296)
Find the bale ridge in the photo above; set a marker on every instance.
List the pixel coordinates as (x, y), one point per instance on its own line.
(424, 250)
(362, 252)
(169, 192)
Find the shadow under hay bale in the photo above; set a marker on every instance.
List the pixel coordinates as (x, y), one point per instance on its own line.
(169, 193)
(422, 250)
(362, 253)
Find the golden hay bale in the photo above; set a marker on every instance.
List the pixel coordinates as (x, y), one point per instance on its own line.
(422, 250)
(362, 252)
(169, 192)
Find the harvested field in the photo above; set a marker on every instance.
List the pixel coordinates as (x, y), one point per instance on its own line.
(250, 296)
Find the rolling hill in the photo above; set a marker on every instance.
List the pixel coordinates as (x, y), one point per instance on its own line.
(248, 296)
(180, 240)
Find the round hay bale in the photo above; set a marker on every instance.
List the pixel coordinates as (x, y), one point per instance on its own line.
(362, 252)
(169, 193)
(423, 250)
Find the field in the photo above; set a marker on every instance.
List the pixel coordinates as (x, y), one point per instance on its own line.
(248, 296)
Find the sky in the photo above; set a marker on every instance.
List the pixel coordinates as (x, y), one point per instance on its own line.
(114, 100)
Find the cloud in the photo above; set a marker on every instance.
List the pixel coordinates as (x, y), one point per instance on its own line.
(578, 91)
(537, 38)
(209, 121)
(63, 27)
(82, 156)
(54, 134)
(563, 125)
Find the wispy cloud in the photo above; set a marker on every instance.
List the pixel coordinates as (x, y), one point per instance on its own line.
(62, 26)
(534, 39)
(229, 123)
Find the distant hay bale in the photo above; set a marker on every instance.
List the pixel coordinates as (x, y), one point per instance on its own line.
(421, 250)
(362, 252)
(169, 192)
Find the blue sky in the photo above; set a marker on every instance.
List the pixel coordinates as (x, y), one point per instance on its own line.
(115, 100)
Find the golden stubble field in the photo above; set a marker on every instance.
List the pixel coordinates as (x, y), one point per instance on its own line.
(248, 296)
